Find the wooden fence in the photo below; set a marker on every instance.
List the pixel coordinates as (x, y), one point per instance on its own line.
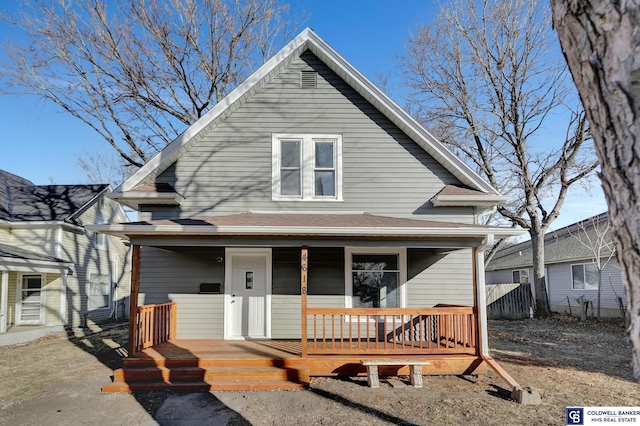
(509, 301)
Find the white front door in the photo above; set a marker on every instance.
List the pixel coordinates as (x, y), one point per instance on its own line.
(30, 303)
(247, 293)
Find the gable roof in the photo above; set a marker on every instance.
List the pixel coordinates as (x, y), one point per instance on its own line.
(307, 40)
(7, 180)
(560, 246)
(22, 201)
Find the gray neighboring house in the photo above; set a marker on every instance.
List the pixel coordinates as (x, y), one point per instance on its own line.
(570, 269)
(53, 271)
(305, 155)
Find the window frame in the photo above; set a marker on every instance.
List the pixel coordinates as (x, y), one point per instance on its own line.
(401, 252)
(19, 298)
(519, 271)
(100, 240)
(109, 284)
(307, 166)
(584, 275)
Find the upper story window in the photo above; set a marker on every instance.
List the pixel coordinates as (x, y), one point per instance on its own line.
(307, 167)
(100, 239)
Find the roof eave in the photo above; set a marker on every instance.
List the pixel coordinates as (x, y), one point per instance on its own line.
(482, 201)
(280, 231)
(135, 199)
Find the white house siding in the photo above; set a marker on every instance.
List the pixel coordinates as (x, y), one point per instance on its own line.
(39, 240)
(435, 278)
(52, 292)
(5, 236)
(560, 286)
(499, 277)
(229, 169)
(80, 248)
(174, 275)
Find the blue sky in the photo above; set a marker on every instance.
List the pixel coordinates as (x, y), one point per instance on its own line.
(43, 144)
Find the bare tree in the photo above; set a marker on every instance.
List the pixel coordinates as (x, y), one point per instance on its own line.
(104, 168)
(594, 234)
(140, 71)
(485, 79)
(602, 47)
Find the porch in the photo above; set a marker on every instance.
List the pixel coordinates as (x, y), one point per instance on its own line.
(202, 365)
(336, 343)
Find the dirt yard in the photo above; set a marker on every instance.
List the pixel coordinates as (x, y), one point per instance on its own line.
(57, 380)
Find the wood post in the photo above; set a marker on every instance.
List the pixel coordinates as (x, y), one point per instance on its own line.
(133, 300)
(304, 267)
(174, 321)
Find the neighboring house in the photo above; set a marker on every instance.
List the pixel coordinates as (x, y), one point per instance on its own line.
(307, 205)
(53, 271)
(570, 268)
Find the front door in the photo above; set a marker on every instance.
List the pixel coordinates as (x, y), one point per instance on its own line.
(30, 306)
(246, 295)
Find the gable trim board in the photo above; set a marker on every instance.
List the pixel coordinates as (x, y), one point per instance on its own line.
(306, 40)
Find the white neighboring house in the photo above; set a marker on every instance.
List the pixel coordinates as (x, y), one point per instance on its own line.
(570, 269)
(53, 271)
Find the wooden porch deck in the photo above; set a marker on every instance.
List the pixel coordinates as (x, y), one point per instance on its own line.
(199, 365)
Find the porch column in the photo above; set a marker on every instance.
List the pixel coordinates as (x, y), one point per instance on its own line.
(481, 294)
(4, 293)
(304, 266)
(133, 299)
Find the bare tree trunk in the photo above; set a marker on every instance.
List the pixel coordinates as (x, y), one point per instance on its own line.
(599, 291)
(602, 47)
(542, 308)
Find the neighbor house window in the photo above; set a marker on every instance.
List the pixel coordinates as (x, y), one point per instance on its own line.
(584, 276)
(99, 291)
(101, 239)
(307, 167)
(375, 278)
(521, 276)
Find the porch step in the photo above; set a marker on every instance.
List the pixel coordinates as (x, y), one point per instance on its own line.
(201, 362)
(208, 374)
(246, 385)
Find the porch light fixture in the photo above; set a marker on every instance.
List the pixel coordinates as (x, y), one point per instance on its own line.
(69, 272)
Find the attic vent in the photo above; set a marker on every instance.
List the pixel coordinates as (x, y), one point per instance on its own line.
(308, 79)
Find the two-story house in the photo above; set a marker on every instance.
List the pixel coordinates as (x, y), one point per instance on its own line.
(306, 219)
(53, 271)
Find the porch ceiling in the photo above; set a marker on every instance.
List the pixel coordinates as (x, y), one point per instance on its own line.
(311, 225)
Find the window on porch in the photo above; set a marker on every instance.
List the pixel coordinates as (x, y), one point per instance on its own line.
(375, 278)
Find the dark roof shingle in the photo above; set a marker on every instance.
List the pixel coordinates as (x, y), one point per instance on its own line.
(21, 200)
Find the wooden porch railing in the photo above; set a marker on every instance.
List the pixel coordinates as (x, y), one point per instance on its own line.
(391, 331)
(154, 324)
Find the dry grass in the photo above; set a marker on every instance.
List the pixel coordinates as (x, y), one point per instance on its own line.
(571, 363)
